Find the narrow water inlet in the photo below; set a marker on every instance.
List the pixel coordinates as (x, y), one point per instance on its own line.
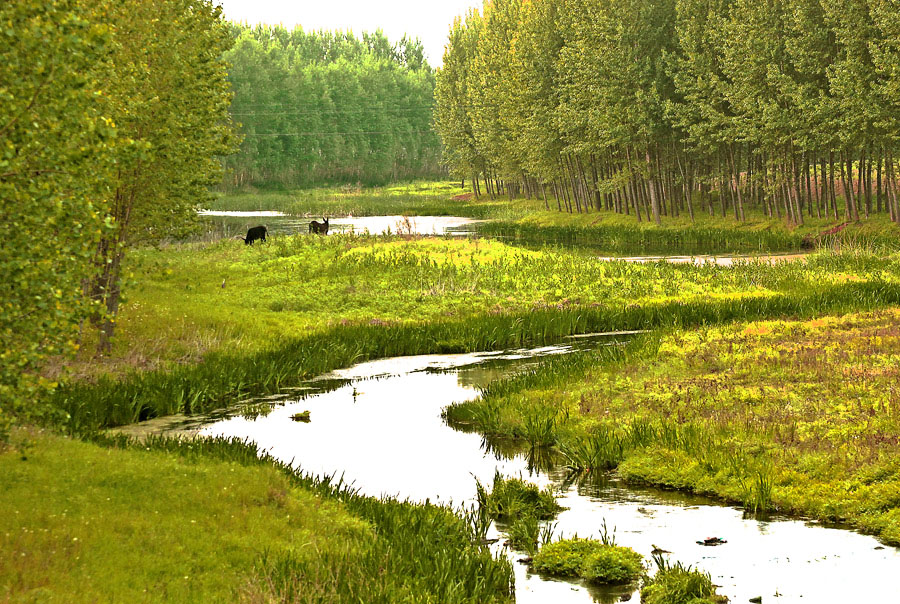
(379, 425)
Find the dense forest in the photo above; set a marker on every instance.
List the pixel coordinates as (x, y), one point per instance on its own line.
(324, 107)
(790, 107)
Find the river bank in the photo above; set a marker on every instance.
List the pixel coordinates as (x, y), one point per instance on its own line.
(795, 416)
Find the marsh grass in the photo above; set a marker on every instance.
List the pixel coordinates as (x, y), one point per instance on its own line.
(639, 240)
(734, 410)
(592, 560)
(213, 520)
(223, 377)
(675, 583)
(511, 498)
(757, 492)
(521, 507)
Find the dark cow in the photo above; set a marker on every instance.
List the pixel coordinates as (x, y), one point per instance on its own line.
(319, 227)
(254, 233)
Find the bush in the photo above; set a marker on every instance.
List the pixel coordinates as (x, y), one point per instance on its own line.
(512, 498)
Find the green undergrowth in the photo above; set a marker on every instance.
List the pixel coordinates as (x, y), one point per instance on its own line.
(796, 416)
(190, 300)
(222, 377)
(648, 240)
(165, 520)
(209, 324)
(420, 198)
(617, 238)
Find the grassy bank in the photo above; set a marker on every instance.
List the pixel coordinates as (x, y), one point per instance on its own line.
(528, 221)
(798, 416)
(209, 521)
(189, 300)
(301, 306)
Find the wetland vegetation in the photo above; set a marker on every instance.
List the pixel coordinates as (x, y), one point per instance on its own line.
(768, 384)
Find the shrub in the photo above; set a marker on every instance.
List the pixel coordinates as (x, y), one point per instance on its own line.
(511, 498)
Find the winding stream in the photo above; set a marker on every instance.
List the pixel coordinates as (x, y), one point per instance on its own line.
(379, 425)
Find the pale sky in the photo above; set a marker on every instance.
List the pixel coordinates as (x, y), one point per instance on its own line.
(427, 20)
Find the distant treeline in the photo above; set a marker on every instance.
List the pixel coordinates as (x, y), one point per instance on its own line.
(653, 107)
(323, 107)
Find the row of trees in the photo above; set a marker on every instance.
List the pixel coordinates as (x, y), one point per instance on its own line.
(657, 107)
(112, 116)
(317, 107)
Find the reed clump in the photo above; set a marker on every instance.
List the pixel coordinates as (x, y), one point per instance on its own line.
(679, 584)
(521, 507)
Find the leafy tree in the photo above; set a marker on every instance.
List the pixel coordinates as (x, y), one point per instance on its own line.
(642, 105)
(54, 154)
(168, 96)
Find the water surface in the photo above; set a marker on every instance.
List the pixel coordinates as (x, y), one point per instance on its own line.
(379, 425)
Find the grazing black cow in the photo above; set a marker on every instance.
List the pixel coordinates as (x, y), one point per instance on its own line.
(319, 227)
(254, 233)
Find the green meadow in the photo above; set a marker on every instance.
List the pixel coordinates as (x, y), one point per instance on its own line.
(722, 397)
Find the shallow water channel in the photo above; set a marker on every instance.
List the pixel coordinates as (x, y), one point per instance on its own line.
(379, 425)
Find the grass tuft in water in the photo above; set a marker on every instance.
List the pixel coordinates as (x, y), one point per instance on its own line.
(679, 584)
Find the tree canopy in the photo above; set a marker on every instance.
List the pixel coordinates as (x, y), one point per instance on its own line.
(113, 115)
(323, 107)
(650, 106)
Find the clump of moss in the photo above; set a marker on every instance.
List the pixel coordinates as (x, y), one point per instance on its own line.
(589, 559)
(679, 584)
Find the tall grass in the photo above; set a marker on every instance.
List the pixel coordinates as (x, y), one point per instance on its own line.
(222, 378)
(679, 584)
(418, 552)
(698, 239)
